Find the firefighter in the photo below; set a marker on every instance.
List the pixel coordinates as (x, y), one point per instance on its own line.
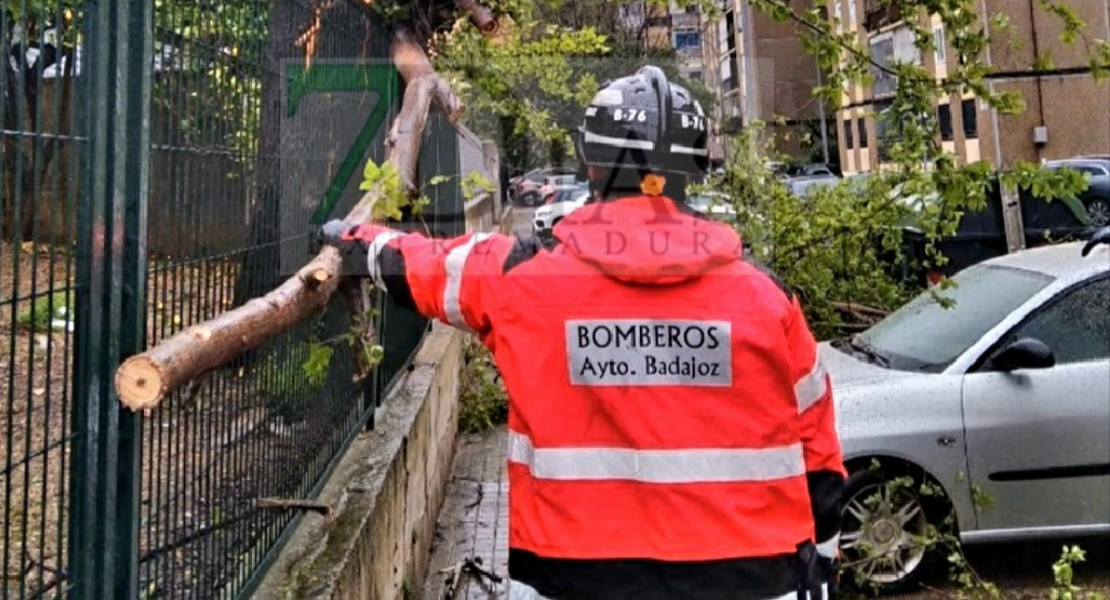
(671, 426)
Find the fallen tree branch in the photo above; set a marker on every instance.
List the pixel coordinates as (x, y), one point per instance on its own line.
(422, 86)
(143, 380)
(860, 309)
(322, 508)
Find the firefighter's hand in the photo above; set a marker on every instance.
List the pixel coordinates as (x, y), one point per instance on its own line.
(353, 243)
(1101, 236)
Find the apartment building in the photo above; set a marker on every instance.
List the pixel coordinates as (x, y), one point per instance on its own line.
(670, 27)
(761, 72)
(1067, 112)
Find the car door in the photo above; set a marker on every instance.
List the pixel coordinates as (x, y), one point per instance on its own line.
(1038, 440)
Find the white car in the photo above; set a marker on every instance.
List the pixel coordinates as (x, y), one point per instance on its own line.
(1005, 395)
(716, 205)
(546, 216)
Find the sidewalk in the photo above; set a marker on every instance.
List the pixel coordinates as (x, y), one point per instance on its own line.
(474, 520)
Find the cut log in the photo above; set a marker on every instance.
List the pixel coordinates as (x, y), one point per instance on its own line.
(480, 16)
(143, 380)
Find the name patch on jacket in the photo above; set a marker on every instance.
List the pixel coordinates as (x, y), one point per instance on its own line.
(649, 352)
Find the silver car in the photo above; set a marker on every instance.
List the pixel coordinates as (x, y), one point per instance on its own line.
(1004, 396)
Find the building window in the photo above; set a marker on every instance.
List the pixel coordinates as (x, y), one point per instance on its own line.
(694, 76)
(971, 119)
(939, 43)
(687, 39)
(862, 126)
(848, 143)
(693, 9)
(730, 18)
(944, 120)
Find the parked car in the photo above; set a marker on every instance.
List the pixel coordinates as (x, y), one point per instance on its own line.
(1002, 396)
(804, 185)
(809, 169)
(531, 181)
(1096, 198)
(554, 184)
(981, 235)
(717, 205)
(567, 192)
(546, 216)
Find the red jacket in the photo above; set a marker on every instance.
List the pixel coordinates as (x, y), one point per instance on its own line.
(671, 429)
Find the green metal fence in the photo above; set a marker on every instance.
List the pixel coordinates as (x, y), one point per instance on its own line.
(164, 161)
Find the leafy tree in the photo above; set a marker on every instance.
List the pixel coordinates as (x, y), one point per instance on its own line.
(533, 85)
(842, 244)
(40, 38)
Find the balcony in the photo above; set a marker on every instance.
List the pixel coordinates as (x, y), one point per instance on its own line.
(878, 14)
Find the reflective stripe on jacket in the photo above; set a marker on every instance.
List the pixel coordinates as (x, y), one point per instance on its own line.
(671, 428)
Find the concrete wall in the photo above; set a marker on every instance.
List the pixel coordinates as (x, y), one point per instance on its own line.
(385, 493)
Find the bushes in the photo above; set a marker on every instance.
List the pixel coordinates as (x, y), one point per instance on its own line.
(483, 403)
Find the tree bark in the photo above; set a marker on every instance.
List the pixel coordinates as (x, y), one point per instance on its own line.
(143, 380)
(422, 86)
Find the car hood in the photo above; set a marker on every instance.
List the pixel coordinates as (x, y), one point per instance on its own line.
(847, 371)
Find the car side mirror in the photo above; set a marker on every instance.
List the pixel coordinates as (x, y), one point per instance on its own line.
(1024, 353)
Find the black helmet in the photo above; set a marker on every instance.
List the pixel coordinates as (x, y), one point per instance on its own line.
(645, 122)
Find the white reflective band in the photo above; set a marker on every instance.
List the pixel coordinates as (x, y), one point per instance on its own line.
(372, 253)
(812, 387)
(796, 596)
(688, 150)
(830, 547)
(523, 591)
(619, 142)
(456, 260)
(658, 466)
(608, 97)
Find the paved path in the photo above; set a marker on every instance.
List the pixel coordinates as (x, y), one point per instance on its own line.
(474, 520)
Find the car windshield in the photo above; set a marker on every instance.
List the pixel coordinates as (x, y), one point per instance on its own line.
(923, 335)
(568, 195)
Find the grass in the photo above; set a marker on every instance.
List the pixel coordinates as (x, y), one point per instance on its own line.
(41, 312)
(483, 403)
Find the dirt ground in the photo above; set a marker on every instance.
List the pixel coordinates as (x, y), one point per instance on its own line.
(202, 453)
(34, 410)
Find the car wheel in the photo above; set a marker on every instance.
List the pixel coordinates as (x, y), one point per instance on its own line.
(1099, 212)
(887, 522)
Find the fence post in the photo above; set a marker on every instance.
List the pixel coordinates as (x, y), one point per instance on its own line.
(114, 114)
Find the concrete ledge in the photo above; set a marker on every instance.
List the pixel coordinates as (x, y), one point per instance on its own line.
(386, 491)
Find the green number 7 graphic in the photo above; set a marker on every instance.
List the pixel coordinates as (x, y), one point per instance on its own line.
(326, 78)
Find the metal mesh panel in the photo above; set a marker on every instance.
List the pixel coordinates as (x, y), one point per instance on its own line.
(225, 227)
(38, 175)
(261, 114)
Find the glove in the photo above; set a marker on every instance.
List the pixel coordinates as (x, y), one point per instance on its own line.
(353, 243)
(1101, 236)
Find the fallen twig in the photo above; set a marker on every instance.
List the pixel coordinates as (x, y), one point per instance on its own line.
(322, 508)
(467, 565)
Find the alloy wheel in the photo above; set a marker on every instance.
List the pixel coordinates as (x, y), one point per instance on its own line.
(1099, 212)
(883, 534)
